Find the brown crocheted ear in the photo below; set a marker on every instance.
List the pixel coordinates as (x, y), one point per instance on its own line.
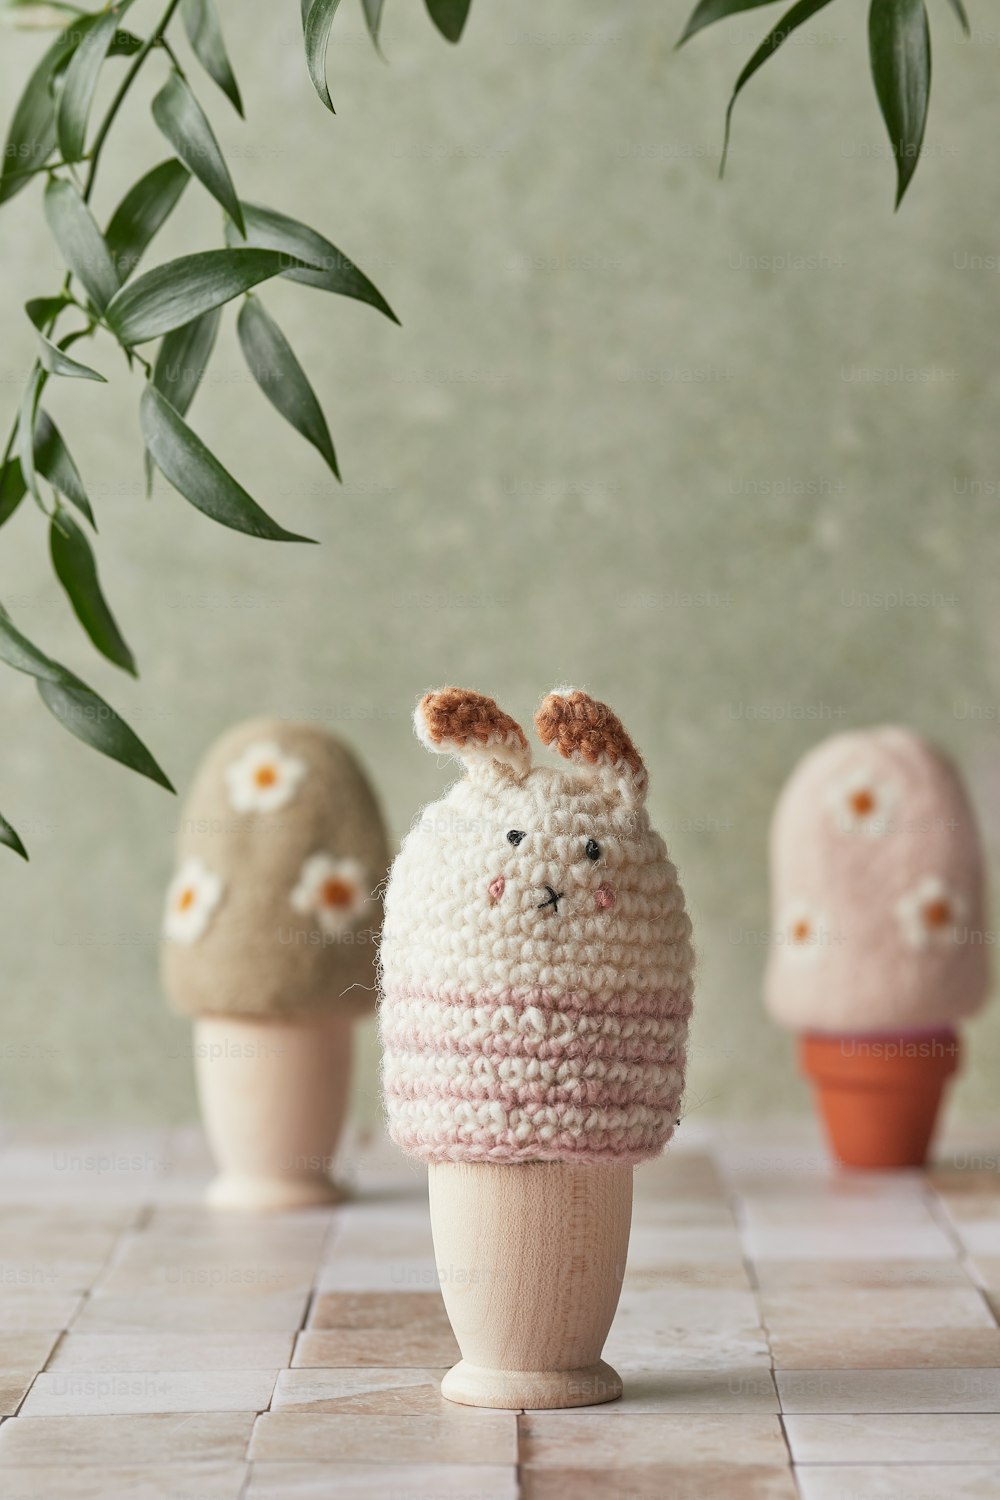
(456, 721)
(583, 730)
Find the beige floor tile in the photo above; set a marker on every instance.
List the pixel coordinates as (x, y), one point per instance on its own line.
(564, 1440)
(78, 1393)
(461, 1437)
(899, 1482)
(24, 1351)
(66, 1220)
(378, 1310)
(386, 1275)
(689, 1307)
(378, 1347)
(661, 1482)
(817, 1275)
(646, 1338)
(283, 1312)
(886, 1439)
(675, 1276)
(682, 1213)
(219, 1437)
(890, 1307)
(804, 1242)
(158, 1352)
(669, 1392)
(378, 1481)
(819, 1391)
(388, 1392)
(302, 1232)
(680, 1174)
(657, 1245)
(830, 1208)
(29, 1310)
(985, 1271)
(237, 1277)
(14, 1386)
(886, 1349)
(153, 1482)
(981, 1237)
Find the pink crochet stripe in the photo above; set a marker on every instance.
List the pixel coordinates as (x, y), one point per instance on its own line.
(533, 1077)
(652, 1004)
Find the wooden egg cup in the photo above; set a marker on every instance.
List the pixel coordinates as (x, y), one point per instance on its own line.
(274, 1095)
(531, 1258)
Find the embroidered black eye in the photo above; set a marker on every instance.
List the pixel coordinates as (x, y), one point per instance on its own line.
(515, 836)
(593, 849)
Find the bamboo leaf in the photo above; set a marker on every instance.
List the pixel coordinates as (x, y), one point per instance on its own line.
(51, 356)
(142, 212)
(80, 241)
(707, 11)
(204, 32)
(12, 489)
(799, 13)
(197, 474)
(9, 836)
(310, 258)
(31, 138)
(317, 23)
(276, 370)
(899, 45)
(449, 16)
(55, 463)
(95, 722)
(373, 17)
(172, 294)
(962, 15)
(25, 439)
(80, 83)
(75, 705)
(182, 357)
(76, 570)
(184, 123)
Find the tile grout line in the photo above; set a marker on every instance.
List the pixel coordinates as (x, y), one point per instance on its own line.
(942, 1218)
(138, 1221)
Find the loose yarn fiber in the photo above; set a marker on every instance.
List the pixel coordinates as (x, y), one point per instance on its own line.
(536, 960)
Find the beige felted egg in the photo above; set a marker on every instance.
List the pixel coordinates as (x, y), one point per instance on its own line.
(275, 906)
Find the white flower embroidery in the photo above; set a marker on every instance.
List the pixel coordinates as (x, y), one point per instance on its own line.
(194, 893)
(862, 804)
(264, 778)
(804, 933)
(930, 914)
(332, 890)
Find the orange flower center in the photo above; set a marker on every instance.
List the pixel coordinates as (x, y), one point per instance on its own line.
(937, 913)
(862, 803)
(801, 931)
(265, 776)
(336, 892)
(186, 899)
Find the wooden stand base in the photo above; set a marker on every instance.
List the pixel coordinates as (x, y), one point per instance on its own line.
(531, 1390)
(531, 1259)
(273, 1098)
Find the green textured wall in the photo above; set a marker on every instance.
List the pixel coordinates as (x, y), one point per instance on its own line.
(663, 438)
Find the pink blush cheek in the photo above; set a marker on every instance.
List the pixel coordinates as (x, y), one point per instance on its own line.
(496, 888)
(604, 897)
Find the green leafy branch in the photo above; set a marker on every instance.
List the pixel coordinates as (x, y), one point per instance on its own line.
(899, 48)
(176, 305)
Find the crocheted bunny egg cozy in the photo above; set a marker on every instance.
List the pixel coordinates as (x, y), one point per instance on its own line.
(536, 959)
(878, 890)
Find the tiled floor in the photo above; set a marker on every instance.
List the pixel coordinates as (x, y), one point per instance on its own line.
(785, 1330)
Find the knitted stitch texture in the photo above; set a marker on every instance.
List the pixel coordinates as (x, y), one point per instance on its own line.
(536, 961)
(878, 890)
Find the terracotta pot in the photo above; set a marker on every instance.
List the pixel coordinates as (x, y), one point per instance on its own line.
(880, 1095)
(274, 1096)
(531, 1258)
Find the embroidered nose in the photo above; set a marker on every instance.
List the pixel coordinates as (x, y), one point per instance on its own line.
(552, 899)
